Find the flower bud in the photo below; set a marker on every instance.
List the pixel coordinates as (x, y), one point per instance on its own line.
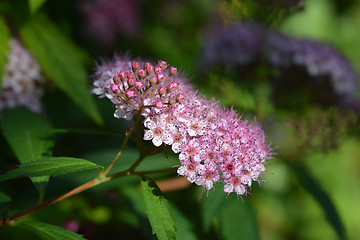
(159, 104)
(131, 82)
(139, 84)
(116, 79)
(122, 76)
(172, 101)
(114, 87)
(135, 66)
(149, 69)
(130, 75)
(158, 70)
(180, 97)
(173, 86)
(130, 93)
(162, 91)
(141, 73)
(153, 80)
(172, 71)
(160, 77)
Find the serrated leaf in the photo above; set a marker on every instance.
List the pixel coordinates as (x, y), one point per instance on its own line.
(314, 188)
(60, 60)
(4, 48)
(158, 210)
(51, 166)
(212, 204)
(238, 221)
(35, 5)
(50, 232)
(29, 136)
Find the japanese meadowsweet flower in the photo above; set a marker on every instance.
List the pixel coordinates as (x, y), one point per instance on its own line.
(214, 144)
(22, 80)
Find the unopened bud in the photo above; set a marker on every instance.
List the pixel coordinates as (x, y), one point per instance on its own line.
(135, 66)
(116, 79)
(159, 105)
(180, 97)
(130, 75)
(149, 69)
(122, 76)
(130, 93)
(131, 82)
(160, 77)
(141, 73)
(162, 91)
(173, 86)
(172, 71)
(162, 64)
(172, 101)
(114, 87)
(153, 80)
(158, 70)
(139, 85)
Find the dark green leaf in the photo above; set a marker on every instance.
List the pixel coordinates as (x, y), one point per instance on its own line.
(211, 206)
(51, 166)
(29, 136)
(61, 61)
(4, 198)
(184, 226)
(321, 197)
(50, 232)
(158, 210)
(238, 220)
(4, 48)
(35, 5)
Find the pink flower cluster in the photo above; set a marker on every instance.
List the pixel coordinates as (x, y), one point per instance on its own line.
(214, 144)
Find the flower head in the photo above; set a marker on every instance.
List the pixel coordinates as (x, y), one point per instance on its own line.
(22, 80)
(214, 144)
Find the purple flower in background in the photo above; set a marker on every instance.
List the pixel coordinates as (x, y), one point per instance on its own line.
(248, 44)
(22, 81)
(105, 19)
(238, 44)
(214, 144)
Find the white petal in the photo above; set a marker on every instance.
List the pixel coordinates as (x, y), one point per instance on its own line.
(176, 147)
(148, 135)
(119, 114)
(157, 141)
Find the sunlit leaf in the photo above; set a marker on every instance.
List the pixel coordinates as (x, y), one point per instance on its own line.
(321, 197)
(4, 48)
(51, 166)
(35, 5)
(158, 210)
(50, 232)
(60, 60)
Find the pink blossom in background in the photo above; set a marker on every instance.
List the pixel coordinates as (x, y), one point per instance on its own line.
(215, 145)
(106, 19)
(22, 81)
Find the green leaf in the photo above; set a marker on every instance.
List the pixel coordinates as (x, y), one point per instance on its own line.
(212, 204)
(4, 48)
(312, 186)
(35, 5)
(184, 226)
(4, 198)
(29, 136)
(60, 60)
(50, 232)
(50, 166)
(158, 210)
(238, 221)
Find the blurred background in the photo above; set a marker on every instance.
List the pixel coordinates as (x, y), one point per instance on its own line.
(291, 64)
